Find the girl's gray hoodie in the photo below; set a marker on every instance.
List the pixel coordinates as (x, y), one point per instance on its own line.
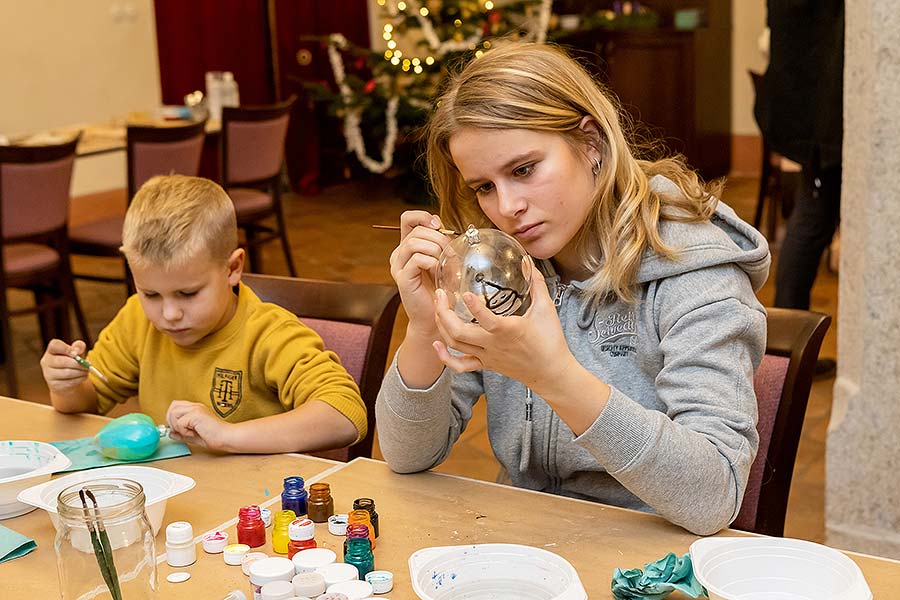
(678, 434)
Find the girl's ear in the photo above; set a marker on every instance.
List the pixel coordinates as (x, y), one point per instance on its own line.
(591, 131)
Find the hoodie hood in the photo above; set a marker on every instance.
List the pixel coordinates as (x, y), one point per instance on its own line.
(725, 238)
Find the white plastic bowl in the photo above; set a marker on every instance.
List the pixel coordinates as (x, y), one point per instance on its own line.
(24, 463)
(493, 571)
(158, 486)
(775, 569)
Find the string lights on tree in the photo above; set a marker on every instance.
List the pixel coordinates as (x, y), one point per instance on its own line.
(407, 80)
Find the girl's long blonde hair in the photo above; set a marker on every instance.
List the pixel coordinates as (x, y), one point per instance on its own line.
(538, 86)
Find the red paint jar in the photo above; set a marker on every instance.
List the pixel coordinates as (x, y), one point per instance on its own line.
(250, 527)
(302, 534)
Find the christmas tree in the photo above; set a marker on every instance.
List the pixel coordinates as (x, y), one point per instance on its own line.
(387, 93)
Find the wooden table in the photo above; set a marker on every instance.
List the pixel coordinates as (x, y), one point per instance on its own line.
(416, 511)
(103, 138)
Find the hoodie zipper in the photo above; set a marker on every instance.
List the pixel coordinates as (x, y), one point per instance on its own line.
(560, 290)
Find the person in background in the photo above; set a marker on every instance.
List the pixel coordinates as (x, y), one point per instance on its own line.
(199, 349)
(629, 379)
(799, 109)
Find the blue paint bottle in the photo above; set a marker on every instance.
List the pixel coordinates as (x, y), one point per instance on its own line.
(294, 496)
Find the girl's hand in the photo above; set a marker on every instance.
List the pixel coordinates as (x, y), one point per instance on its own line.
(414, 267)
(195, 423)
(531, 348)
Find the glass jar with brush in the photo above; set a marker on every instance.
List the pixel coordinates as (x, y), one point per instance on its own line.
(104, 545)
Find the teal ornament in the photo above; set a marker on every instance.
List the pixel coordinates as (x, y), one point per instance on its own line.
(657, 580)
(131, 437)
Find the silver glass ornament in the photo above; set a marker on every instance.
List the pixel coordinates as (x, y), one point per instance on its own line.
(492, 265)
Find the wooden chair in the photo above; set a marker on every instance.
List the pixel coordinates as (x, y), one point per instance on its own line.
(151, 151)
(355, 320)
(252, 155)
(782, 385)
(34, 247)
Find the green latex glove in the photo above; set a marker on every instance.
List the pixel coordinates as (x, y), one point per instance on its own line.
(658, 579)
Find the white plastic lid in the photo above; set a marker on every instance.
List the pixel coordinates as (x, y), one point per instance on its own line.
(354, 590)
(338, 572)
(309, 584)
(233, 553)
(301, 529)
(382, 581)
(337, 524)
(310, 560)
(266, 515)
(215, 542)
(179, 532)
(235, 595)
(277, 590)
(250, 558)
(275, 568)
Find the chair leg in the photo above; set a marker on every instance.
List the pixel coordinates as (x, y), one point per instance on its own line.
(253, 254)
(285, 246)
(765, 172)
(9, 363)
(72, 300)
(129, 280)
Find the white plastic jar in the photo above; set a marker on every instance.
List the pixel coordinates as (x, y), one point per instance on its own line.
(277, 590)
(307, 561)
(267, 570)
(180, 549)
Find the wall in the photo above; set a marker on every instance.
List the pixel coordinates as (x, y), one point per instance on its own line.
(64, 62)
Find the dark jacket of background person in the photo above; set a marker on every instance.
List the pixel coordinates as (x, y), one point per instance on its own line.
(799, 106)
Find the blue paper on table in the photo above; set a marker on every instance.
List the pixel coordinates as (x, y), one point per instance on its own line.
(13, 544)
(658, 579)
(85, 453)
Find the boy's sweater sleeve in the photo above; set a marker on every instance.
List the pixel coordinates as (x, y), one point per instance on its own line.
(298, 366)
(417, 428)
(691, 464)
(114, 355)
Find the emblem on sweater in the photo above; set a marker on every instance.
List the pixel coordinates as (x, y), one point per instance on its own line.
(225, 394)
(615, 334)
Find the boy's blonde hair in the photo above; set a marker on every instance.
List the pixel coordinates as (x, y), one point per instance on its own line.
(174, 219)
(539, 87)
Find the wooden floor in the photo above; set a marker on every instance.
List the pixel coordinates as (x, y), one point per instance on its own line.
(332, 238)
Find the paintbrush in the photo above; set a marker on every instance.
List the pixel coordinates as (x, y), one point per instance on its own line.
(397, 228)
(87, 365)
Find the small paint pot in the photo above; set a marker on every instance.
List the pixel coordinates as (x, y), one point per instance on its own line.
(266, 515)
(215, 542)
(249, 559)
(310, 584)
(233, 553)
(354, 590)
(337, 525)
(306, 561)
(381, 581)
(338, 573)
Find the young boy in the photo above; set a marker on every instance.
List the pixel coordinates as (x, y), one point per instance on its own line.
(199, 349)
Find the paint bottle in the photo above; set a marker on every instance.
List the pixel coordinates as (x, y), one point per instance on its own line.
(369, 505)
(250, 527)
(362, 516)
(280, 537)
(360, 556)
(294, 496)
(302, 534)
(320, 505)
(180, 549)
(357, 531)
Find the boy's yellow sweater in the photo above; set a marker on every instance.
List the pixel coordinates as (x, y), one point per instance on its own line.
(264, 361)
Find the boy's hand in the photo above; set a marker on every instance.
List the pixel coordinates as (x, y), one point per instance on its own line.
(195, 423)
(60, 370)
